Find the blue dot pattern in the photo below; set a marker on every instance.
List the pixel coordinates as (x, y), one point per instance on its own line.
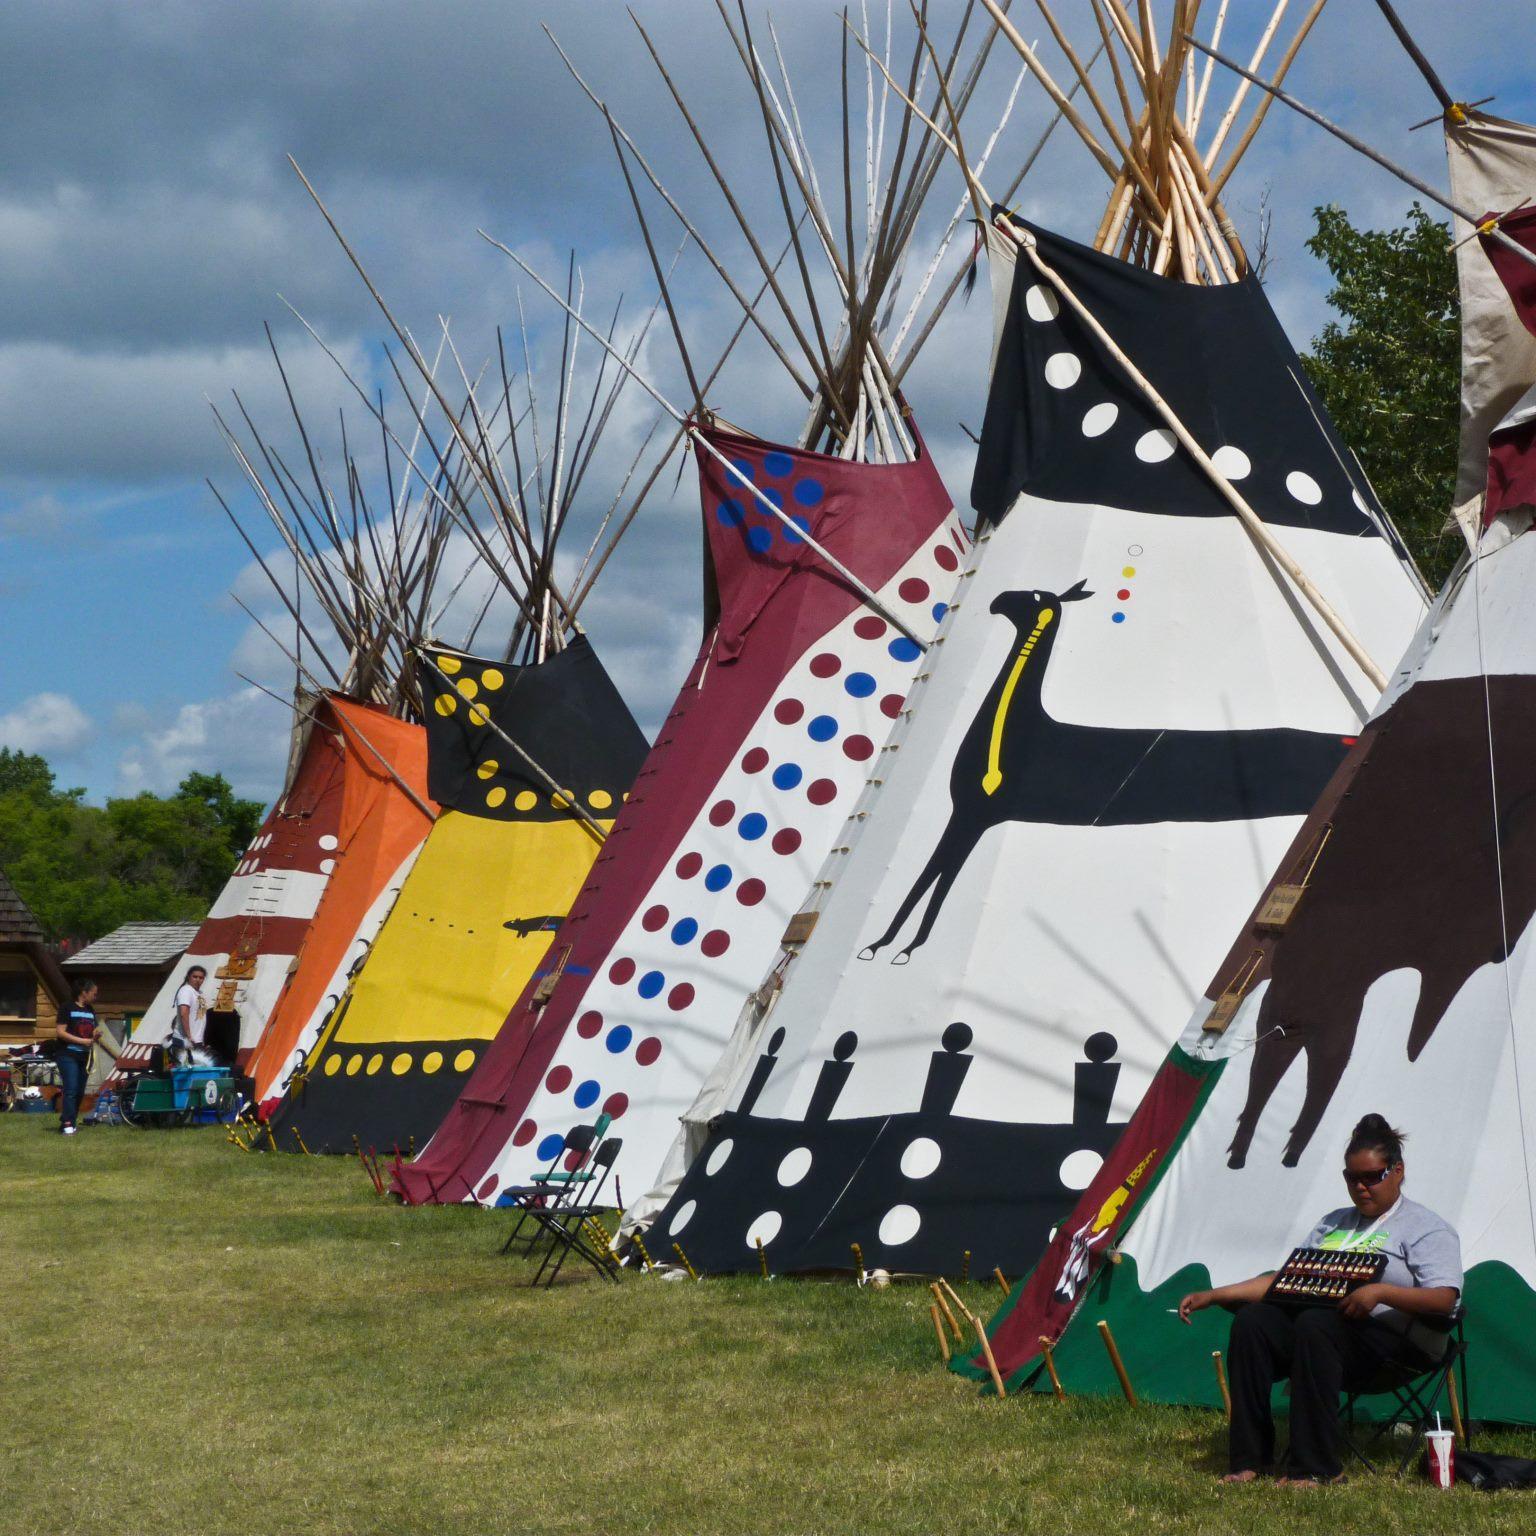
(549, 1147)
(731, 514)
(760, 540)
(718, 878)
(822, 728)
(684, 930)
(778, 464)
(745, 467)
(903, 649)
(752, 826)
(809, 492)
(859, 684)
(787, 775)
(1119, 618)
(939, 610)
(651, 984)
(618, 1038)
(586, 1093)
(803, 524)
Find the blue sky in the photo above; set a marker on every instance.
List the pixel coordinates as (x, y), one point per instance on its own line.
(148, 221)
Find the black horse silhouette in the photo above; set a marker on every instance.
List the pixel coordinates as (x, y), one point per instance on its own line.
(1410, 879)
(1015, 763)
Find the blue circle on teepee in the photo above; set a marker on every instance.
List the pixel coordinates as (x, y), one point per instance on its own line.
(718, 878)
(787, 775)
(684, 930)
(1119, 618)
(903, 649)
(803, 524)
(760, 540)
(939, 610)
(822, 728)
(651, 984)
(549, 1147)
(859, 684)
(809, 492)
(731, 514)
(752, 826)
(779, 464)
(775, 496)
(745, 466)
(618, 1038)
(586, 1093)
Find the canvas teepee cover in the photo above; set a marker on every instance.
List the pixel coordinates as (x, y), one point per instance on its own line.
(769, 742)
(384, 818)
(478, 910)
(1399, 984)
(1127, 713)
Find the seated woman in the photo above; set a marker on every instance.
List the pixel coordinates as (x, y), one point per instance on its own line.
(1328, 1348)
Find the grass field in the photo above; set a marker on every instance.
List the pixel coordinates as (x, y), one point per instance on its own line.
(205, 1340)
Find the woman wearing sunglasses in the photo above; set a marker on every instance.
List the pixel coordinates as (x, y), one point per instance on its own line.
(1331, 1347)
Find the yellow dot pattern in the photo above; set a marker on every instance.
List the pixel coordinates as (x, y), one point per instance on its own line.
(559, 802)
(491, 679)
(374, 1063)
(478, 714)
(431, 1062)
(354, 1065)
(445, 704)
(450, 664)
(525, 800)
(332, 1065)
(487, 769)
(468, 687)
(600, 799)
(494, 797)
(464, 1061)
(401, 1064)
(1128, 571)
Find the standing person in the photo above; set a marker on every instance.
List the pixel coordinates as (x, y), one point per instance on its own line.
(76, 1034)
(1326, 1349)
(191, 1010)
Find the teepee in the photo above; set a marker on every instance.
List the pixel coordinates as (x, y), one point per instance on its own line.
(1383, 968)
(827, 566)
(1159, 651)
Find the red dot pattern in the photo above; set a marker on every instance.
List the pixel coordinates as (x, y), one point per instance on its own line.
(1123, 593)
(859, 748)
(715, 943)
(648, 1050)
(524, 1133)
(890, 705)
(913, 590)
(721, 812)
(755, 760)
(946, 559)
(680, 996)
(869, 628)
(572, 1161)
(620, 971)
(558, 1080)
(787, 841)
(615, 1105)
(825, 665)
(788, 711)
(590, 1024)
(655, 919)
(821, 792)
(689, 865)
(750, 892)
(488, 1188)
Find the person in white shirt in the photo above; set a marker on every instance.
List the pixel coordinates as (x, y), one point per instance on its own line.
(191, 1011)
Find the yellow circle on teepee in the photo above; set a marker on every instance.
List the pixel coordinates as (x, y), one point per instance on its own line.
(401, 1064)
(494, 797)
(354, 1065)
(374, 1063)
(446, 704)
(600, 799)
(478, 714)
(468, 687)
(449, 664)
(491, 679)
(464, 1061)
(1129, 570)
(559, 801)
(332, 1065)
(526, 800)
(431, 1062)
(487, 769)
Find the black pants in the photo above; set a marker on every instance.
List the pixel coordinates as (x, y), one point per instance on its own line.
(71, 1084)
(1323, 1353)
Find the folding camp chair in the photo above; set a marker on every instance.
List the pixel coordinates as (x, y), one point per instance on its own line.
(556, 1185)
(1416, 1391)
(568, 1224)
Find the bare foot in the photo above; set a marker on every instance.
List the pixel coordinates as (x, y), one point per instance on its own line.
(1240, 1477)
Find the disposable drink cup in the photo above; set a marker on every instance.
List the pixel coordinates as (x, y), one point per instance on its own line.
(1440, 1453)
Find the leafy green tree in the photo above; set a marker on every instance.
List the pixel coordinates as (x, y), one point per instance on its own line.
(24, 772)
(1389, 370)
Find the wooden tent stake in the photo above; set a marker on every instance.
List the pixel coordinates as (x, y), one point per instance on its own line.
(986, 1349)
(1455, 1403)
(1221, 1384)
(965, 1266)
(1048, 1354)
(858, 1261)
(938, 1328)
(682, 1258)
(1118, 1363)
(938, 1297)
(645, 1259)
(762, 1257)
(1002, 1281)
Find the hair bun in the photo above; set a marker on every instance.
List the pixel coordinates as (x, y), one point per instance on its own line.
(1376, 1133)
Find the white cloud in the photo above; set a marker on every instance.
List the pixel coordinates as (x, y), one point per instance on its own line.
(47, 723)
(243, 735)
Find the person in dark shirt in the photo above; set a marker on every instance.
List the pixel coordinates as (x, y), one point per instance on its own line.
(76, 1032)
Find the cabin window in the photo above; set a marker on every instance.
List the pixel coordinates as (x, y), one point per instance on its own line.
(18, 995)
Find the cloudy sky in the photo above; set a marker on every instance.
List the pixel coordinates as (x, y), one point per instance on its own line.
(149, 221)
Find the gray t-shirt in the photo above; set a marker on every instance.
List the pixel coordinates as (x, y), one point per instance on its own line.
(1421, 1248)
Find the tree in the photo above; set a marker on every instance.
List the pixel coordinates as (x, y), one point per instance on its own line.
(24, 772)
(1390, 371)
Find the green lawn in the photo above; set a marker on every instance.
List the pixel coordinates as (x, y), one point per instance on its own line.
(206, 1340)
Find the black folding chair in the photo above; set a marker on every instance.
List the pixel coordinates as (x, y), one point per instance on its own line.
(550, 1189)
(570, 1224)
(1416, 1391)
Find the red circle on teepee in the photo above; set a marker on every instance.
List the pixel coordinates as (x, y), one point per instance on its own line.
(869, 628)
(859, 748)
(647, 1051)
(573, 1160)
(913, 590)
(620, 971)
(1123, 593)
(755, 760)
(825, 665)
(559, 1079)
(821, 792)
(488, 1189)
(715, 943)
(890, 705)
(590, 1024)
(786, 841)
(615, 1105)
(679, 997)
(655, 918)
(688, 866)
(788, 711)
(524, 1133)
(721, 812)
(750, 892)
(946, 558)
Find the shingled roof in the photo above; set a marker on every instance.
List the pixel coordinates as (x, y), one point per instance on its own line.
(17, 924)
(147, 944)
